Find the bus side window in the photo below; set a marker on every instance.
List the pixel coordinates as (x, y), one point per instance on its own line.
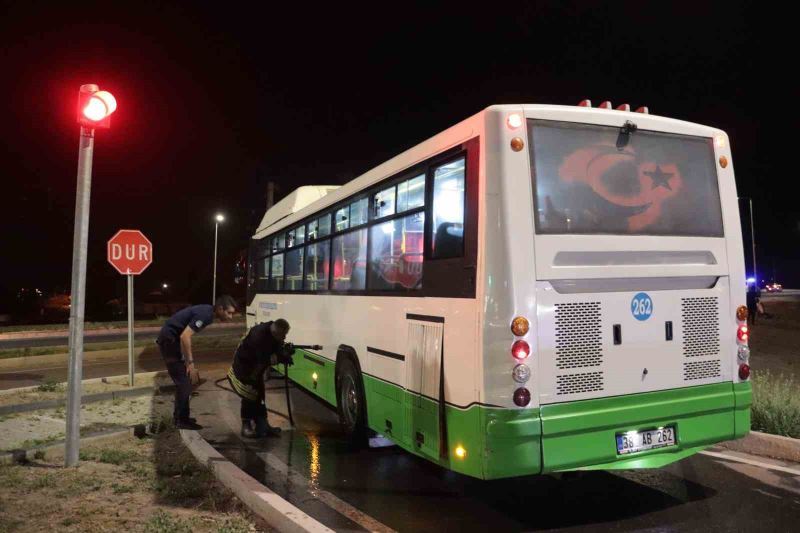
(447, 229)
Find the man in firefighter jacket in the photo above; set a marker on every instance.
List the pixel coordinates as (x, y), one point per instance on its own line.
(262, 347)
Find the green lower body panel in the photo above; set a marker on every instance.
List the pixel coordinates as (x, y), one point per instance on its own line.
(478, 441)
(315, 374)
(582, 434)
(490, 443)
(743, 397)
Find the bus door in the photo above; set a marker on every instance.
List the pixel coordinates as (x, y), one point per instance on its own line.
(423, 382)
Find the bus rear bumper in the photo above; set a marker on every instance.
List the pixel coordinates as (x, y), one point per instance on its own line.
(581, 435)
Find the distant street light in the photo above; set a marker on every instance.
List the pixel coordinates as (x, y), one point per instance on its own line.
(94, 111)
(219, 218)
(164, 286)
(752, 236)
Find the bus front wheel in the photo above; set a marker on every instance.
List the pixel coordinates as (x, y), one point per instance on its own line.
(351, 405)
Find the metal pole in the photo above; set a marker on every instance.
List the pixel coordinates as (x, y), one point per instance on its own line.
(77, 295)
(753, 239)
(130, 330)
(214, 289)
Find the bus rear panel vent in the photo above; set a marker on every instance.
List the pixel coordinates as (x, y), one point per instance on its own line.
(578, 383)
(700, 320)
(701, 370)
(579, 341)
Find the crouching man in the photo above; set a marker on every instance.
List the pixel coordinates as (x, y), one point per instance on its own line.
(175, 343)
(262, 347)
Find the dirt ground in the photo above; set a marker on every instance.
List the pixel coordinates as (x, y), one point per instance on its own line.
(775, 341)
(152, 485)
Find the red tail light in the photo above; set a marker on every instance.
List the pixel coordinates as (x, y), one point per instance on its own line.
(585, 103)
(644, 109)
(744, 371)
(520, 349)
(522, 397)
(605, 105)
(743, 333)
(624, 107)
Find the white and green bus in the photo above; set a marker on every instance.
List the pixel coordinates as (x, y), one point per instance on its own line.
(536, 289)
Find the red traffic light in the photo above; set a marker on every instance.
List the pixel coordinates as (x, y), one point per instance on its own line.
(95, 107)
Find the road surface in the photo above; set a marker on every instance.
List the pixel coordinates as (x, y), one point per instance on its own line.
(388, 489)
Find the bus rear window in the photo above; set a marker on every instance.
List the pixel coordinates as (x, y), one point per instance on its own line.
(592, 179)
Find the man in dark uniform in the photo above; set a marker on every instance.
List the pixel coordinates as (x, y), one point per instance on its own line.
(175, 343)
(262, 347)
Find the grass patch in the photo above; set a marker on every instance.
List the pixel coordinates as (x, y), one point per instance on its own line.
(776, 404)
(50, 385)
(153, 484)
(112, 456)
(162, 522)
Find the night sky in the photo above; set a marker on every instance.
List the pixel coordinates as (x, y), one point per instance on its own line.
(217, 99)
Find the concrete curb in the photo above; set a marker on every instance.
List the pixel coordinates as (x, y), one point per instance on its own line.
(766, 445)
(23, 363)
(276, 511)
(121, 379)
(17, 456)
(86, 398)
(99, 331)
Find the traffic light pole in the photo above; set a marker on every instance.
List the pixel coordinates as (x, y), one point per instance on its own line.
(77, 294)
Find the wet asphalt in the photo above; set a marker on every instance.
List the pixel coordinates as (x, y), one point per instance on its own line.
(390, 489)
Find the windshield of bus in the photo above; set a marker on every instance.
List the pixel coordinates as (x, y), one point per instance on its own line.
(591, 179)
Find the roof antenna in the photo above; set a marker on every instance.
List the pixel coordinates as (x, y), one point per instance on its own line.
(625, 134)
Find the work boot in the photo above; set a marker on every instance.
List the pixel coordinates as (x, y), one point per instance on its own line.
(263, 429)
(187, 424)
(248, 429)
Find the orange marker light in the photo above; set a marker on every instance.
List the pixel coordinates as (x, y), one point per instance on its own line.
(741, 312)
(723, 161)
(517, 144)
(520, 326)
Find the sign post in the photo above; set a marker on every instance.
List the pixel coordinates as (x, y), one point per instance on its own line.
(130, 330)
(130, 252)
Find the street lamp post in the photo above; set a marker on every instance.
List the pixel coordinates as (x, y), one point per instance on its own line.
(219, 218)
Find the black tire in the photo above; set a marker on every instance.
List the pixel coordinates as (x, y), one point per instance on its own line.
(351, 402)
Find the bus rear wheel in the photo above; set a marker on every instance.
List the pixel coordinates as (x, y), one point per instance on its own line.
(351, 403)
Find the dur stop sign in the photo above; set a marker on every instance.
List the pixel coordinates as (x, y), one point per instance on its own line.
(130, 252)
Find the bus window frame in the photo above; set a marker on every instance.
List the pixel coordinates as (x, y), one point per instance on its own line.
(470, 152)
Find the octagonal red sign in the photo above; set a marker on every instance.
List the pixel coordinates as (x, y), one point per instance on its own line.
(130, 252)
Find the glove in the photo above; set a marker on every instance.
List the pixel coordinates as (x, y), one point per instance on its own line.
(285, 354)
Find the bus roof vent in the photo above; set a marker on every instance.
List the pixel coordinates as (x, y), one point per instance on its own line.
(294, 202)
